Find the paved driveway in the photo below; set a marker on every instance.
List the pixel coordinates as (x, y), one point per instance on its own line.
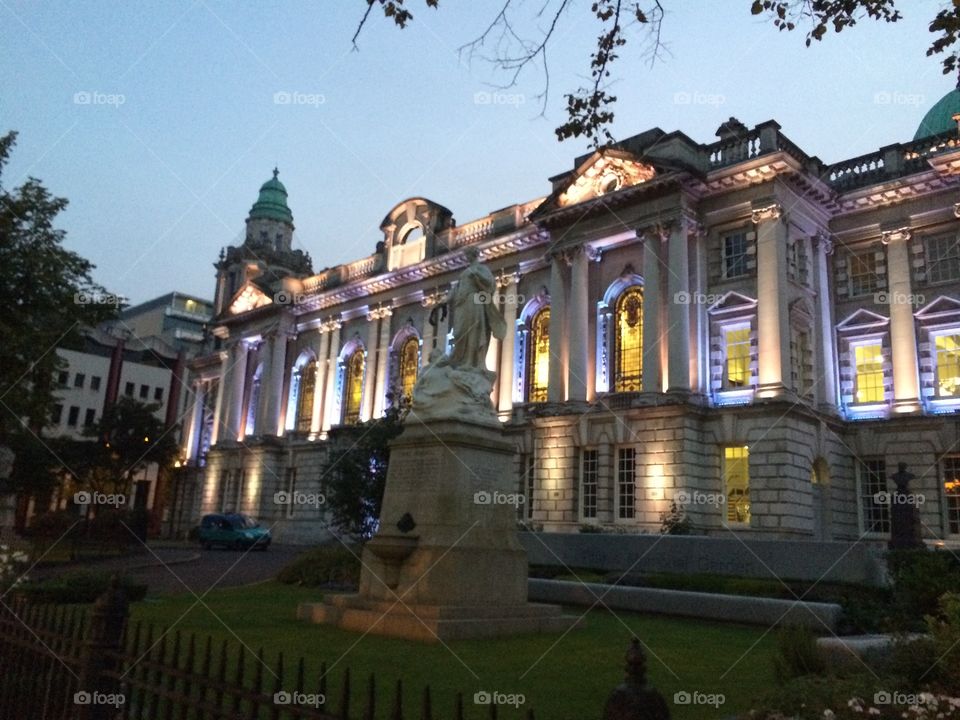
(185, 568)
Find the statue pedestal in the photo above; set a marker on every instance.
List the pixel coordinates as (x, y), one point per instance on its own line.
(446, 563)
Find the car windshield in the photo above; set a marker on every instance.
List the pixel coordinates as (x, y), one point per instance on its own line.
(243, 522)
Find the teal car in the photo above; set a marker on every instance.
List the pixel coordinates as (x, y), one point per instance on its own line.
(234, 531)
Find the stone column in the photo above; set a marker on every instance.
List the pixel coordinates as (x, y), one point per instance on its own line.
(903, 336)
(429, 331)
(271, 385)
(238, 377)
(383, 355)
(823, 248)
(506, 376)
(190, 436)
(678, 308)
(330, 395)
(773, 327)
(223, 390)
(316, 412)
(652, 331)
(443, 321)
(493, 348)
(556, 386)
(370, 366)
(578, 311)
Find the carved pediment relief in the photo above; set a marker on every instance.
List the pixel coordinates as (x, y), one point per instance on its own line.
(248, 298)
(606, 171)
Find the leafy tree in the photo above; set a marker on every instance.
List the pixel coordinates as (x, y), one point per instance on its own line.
(355, 473)
(47, 294)
(590, 107)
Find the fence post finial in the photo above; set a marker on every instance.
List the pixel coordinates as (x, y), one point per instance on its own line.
(632, 699)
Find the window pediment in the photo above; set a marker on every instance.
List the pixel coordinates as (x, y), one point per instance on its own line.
(942, 308)
(863, 320)
(732, 302)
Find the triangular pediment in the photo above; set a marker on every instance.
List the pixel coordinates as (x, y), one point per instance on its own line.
(249, 297)
(864, 320)
(941, 307)
(605, 172)
(732, 302)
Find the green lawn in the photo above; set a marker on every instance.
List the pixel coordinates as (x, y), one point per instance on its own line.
(562, 679)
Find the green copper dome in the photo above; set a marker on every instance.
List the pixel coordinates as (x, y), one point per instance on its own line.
(272, 203)
(939, 119)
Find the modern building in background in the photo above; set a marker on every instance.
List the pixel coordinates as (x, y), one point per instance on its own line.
(733, 326)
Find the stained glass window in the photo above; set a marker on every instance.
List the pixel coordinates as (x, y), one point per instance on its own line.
(629, 355)
(538, 371)
(409, 366)
(306, 390)
(353, 387)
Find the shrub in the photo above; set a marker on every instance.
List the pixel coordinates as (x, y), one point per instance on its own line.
(675, 521)
(329, 566)
(920, 578)
(797, 654)
(77, 587)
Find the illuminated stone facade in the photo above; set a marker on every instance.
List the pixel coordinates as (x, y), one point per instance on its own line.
(734, 326)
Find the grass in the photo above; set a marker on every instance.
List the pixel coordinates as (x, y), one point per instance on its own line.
(560, 677)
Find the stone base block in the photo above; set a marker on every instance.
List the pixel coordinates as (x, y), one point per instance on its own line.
(435, 623)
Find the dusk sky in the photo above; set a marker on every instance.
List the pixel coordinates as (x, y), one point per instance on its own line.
(182, 127)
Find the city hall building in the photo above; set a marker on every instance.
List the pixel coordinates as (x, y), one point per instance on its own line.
(734, 326)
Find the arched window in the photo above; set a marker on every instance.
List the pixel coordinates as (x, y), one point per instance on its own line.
(628, 375)
(538, 357)
(409, 366)
(353, 387)
(305, 395)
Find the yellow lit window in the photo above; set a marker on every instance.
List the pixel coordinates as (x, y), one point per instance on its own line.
(738, 358)
(947, 348)
(538, 370)
(868, 365)
(736, 473)
(353, 388)
(409, 365)
(305, 394)
(629, 374)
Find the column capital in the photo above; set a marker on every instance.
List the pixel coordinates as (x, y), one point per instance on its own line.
(895, 234)
(439, 297)
(956, 209)
(505, 280)
(765, 210)
(330, 325)
(378, 313)
(823, 241)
